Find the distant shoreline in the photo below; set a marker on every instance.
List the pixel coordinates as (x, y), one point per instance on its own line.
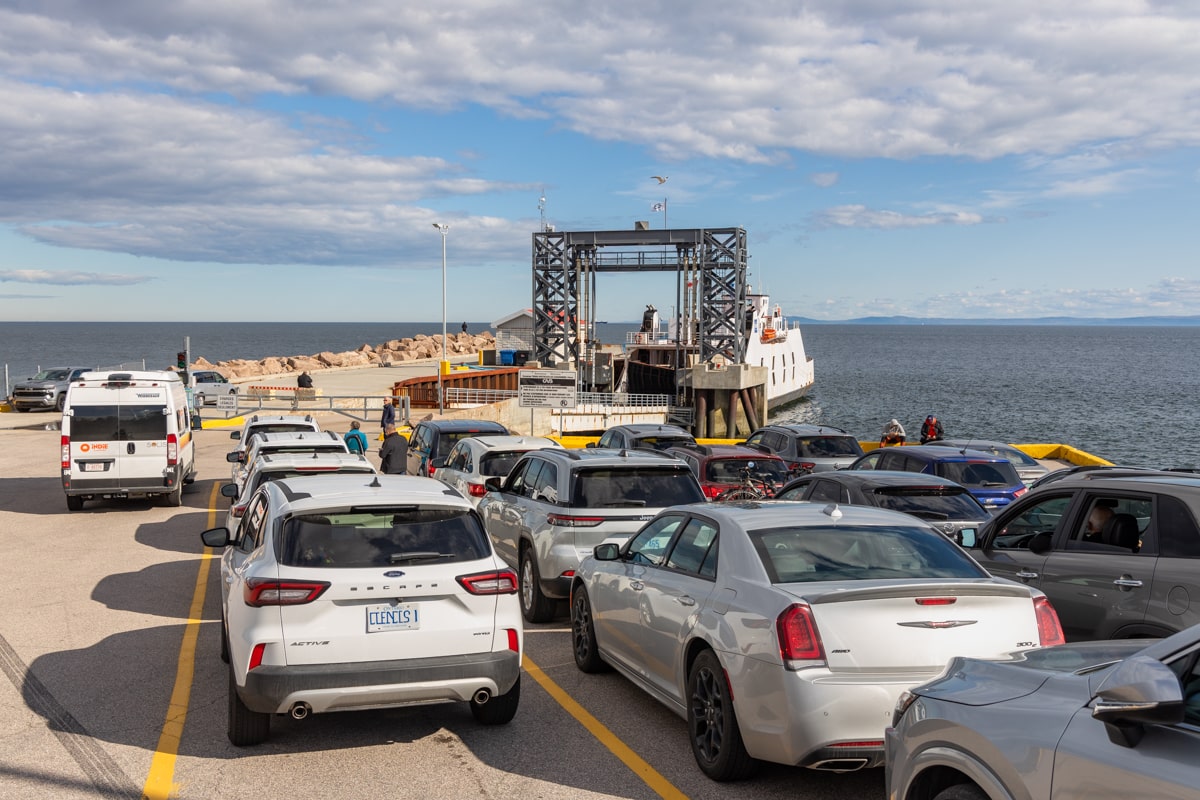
(1166, 322)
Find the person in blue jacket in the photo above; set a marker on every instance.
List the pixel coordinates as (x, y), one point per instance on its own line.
(356, 440)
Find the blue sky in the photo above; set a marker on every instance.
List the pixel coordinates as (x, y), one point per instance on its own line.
(266, 160)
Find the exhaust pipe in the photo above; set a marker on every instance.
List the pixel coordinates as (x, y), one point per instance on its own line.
(300, 710)
(482, 696)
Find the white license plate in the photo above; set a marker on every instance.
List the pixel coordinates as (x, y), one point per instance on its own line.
(94, 466)
(402, 617)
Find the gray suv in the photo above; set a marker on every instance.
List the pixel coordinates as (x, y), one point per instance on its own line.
(556, 505)
(1117, 553)
(808, 448)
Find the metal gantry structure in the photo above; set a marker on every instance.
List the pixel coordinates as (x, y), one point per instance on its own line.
(710, 267)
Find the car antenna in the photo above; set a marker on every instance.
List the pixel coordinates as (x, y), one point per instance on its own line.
(375, 484)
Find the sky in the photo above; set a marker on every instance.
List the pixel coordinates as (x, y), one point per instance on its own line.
(245, 160)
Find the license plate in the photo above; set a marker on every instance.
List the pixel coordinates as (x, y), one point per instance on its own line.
(402, 617)
(94, 466)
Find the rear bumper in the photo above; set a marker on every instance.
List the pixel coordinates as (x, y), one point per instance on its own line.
(116, 487)
(274, 689)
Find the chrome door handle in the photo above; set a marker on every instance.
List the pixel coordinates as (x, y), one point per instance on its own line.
(1026, 575)
(1129, 583)
(684, 600)
(637, 586)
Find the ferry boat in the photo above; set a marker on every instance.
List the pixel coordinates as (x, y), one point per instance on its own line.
(655, 354)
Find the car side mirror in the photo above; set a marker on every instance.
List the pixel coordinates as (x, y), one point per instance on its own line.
(493, 484)
(235, 435)
(607, 551)
(230, 490)
(215, 537)
(233, 456)
(590, 444)
(1139, 691)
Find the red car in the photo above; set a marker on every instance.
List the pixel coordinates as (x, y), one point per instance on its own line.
(720, 467)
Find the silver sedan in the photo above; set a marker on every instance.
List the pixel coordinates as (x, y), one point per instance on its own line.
(786, 631)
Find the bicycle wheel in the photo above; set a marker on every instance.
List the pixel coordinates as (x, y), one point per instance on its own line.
(738, 493)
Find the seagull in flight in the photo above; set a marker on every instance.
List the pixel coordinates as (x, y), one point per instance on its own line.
(661, 179)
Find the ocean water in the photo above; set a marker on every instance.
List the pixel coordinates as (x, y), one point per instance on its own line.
(1128, 394)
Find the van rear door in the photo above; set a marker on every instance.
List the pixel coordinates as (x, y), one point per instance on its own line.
(121, 444)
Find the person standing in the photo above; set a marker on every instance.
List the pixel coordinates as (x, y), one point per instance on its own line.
(356, 440)
(931, 429)
(389, 414)
(393, 453)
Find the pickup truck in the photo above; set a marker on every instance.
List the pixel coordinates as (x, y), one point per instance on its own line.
(47, 389)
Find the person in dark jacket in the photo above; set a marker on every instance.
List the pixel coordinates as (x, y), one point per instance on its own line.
(304, 381)
(389, 414)
(393, 453)
(931, 429)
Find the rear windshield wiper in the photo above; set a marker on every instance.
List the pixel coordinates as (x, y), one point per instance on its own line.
(622, 504)
(415, 555)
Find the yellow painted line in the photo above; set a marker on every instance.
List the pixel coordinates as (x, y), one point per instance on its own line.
(160, 783)
(650, 776)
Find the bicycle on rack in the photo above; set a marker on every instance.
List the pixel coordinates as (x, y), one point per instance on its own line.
(748, 488)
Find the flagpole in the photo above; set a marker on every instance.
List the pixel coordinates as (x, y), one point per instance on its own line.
(664, 213)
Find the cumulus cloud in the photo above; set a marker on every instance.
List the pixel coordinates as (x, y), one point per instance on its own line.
(69, 278)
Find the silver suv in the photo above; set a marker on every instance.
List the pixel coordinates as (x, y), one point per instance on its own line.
(47, 389)
(808, 448)
(556, 505)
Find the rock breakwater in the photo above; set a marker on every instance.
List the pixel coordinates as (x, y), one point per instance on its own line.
(394, 351)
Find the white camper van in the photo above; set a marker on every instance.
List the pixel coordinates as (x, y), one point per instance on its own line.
(126, 434)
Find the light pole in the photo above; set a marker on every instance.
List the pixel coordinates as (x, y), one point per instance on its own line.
(444, 228)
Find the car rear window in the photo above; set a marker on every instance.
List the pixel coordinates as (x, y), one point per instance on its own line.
(828, 447)
(663, 442)
(447, 439)
(382, 537)
(936, 503)
(498, 463)
(121, 423)
(979, 474)
(281, 427)
(617, 487)
(729, 470)
(849, 553)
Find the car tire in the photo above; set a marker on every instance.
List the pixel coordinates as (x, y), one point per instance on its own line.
(535, 606)
(712, 725)
(245, 727)
(500, 709)
(74, 502)
(224, 641)
(961, 791)
(61, 402)
(583, 634)
(174, 498)
(22, 409)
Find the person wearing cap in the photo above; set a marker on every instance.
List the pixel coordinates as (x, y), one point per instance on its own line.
(931, 429)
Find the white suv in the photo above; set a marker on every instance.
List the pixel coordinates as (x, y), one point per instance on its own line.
(348, 592)
(277, 466)
(262, 444)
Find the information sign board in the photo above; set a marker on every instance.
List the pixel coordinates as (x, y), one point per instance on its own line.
(547, 388)
(227, 402)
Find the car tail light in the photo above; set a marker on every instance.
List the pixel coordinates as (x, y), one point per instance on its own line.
(870, 743)
(237, 511)
(476, 489)
(798, 636)
(936, 601)
(568, 521)
(172, 450)
(256, 656)
(1020, 492)
(712, 490)
(498, 582)
(66, 452)
(514, 640)
(260, 592)
(1050, 631)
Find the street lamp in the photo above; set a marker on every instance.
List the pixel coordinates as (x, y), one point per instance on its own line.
(444, 228)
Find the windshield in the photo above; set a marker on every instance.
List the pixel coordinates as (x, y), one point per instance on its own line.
(848, 553)
(731, 470)
(979, 474)
(381, 537)
(654, 487)
(52, 375)
(828, 447)
(953, 502)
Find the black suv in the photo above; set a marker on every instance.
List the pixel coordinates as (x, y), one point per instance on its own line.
(646, 436)
(432, 440)
(1117, 552)
(811, 448)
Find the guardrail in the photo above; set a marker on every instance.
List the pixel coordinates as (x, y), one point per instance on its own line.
(353, 406)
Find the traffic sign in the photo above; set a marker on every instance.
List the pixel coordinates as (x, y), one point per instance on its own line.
(547, 388)
(227, 402)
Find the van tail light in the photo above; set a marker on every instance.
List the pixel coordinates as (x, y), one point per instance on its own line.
(66, 453)
(1050, 631)
(172, 450)
(476, 489)
(259, 592)
(496, 582)
(798, 636)
(567, 521)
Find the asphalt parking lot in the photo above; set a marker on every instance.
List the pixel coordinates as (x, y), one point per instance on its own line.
(114, 688)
